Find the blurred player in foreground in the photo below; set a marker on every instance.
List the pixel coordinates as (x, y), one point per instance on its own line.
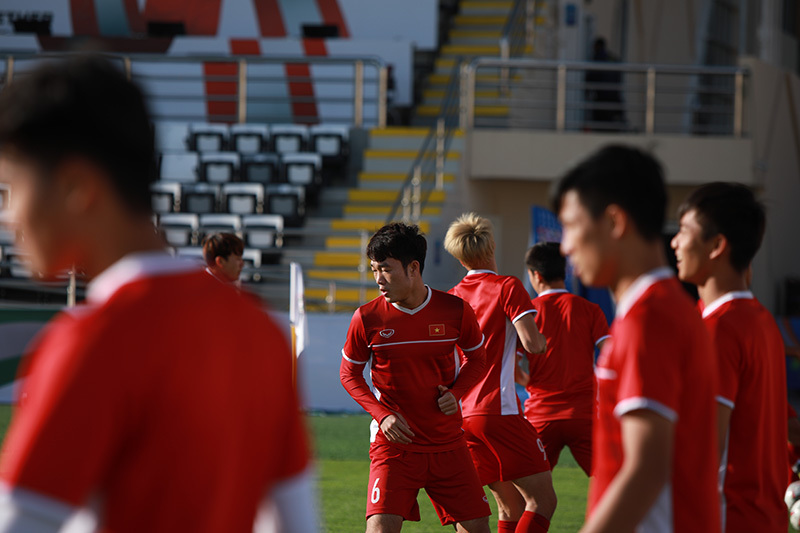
(133, 405)
(222, 253)
(721, 227)
(561, 405)
(654, 462)
(408, 337)
(506, 450)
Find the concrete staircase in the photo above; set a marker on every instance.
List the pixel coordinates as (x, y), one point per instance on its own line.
(333, 255)
(477, 30)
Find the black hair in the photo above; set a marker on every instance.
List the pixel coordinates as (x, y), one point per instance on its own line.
(82, 106)
(221, 245)
(546, 259)
(400, 241)
(621, 175)
(731, 210)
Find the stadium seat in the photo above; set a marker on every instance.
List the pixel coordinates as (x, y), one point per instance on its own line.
(180, 167)
(219, 167)
(219, 222)
(165, 197)
(179, 229)
(249, 138)
(330, 140)
(252, 261)
(304, 170)
(288, 138)
(208, 137)
(260, 168)
(18, 263)
(200, 198)
(288, 201)
(263, 231)
(243, 198)
(171, 136)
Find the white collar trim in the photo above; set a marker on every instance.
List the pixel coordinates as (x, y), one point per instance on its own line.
(420, 307)
(725, 298)
(471, 272)
(639, 287)
(552, 291)
(133, 267)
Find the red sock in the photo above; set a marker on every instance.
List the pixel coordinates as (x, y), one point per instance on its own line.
(532, 523)
(506, 526)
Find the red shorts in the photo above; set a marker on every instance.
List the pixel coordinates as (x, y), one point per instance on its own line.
(504, 447)
(575, 433)
(395, 477)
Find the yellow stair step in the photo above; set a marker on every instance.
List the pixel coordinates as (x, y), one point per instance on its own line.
(480, 111)
(392, 176)
(440, 93)
(371, 225)
(347, 275)
(387, 197)
(338, 259)
(478, 4)
(403, 154)
(383, 210)
(471, 49)
(343, 242)
(480, 20)
(343, 295)
(444, 79)
(407, 132)
(478, 34)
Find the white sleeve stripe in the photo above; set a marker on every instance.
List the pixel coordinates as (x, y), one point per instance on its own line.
(528, 312)
(601, 339)
(24, 510)
(353, 360)
(634, 404)
(474, 347)
(726, 402)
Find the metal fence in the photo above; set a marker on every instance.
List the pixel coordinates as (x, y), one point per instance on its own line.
(607, 97)
(249, 89)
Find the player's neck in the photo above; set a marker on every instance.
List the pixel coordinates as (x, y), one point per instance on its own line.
(720, 283)
(416, 297)
(639, 258)
(551, 286)
(117, 238)
(486, 265)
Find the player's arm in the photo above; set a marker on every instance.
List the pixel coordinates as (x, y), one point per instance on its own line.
(529, 335)
(647, 441)
(521, 376)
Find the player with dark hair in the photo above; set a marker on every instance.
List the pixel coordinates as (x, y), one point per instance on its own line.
(654, 449)
(561, 401)
(408, 337)
(132, 405)
(223, 256)
(721, 227)
(506, 450)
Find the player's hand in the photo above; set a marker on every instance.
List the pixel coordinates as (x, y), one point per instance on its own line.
(447, 401)
(396, 429)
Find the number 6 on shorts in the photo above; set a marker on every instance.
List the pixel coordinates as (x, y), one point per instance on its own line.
(376, 492)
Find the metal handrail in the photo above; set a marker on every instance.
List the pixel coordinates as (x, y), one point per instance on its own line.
(410, 198)
(359, 80)
(651, 73)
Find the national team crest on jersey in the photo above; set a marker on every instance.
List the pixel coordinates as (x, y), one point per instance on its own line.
(436, 330)
(386, 333)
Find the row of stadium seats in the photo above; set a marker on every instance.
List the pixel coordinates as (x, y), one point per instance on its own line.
(328, 140)
(260, 232)
(285, 200)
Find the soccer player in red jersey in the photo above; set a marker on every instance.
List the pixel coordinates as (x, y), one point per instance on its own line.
(165, 402)
(654, 457)
(561, 405)
(408, 336)
(721, 227)
(506, 450)
(222, 253)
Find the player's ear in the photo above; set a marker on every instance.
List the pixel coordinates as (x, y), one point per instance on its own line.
(720, 246)
(413, 269)
(617, 220)
(78, 183)
(219, 261)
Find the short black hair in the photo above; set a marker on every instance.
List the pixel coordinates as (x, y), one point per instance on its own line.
(731, 210)
(546, 259)
(221, 245)
(400, 241)
(82, 106)
(621, 175)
